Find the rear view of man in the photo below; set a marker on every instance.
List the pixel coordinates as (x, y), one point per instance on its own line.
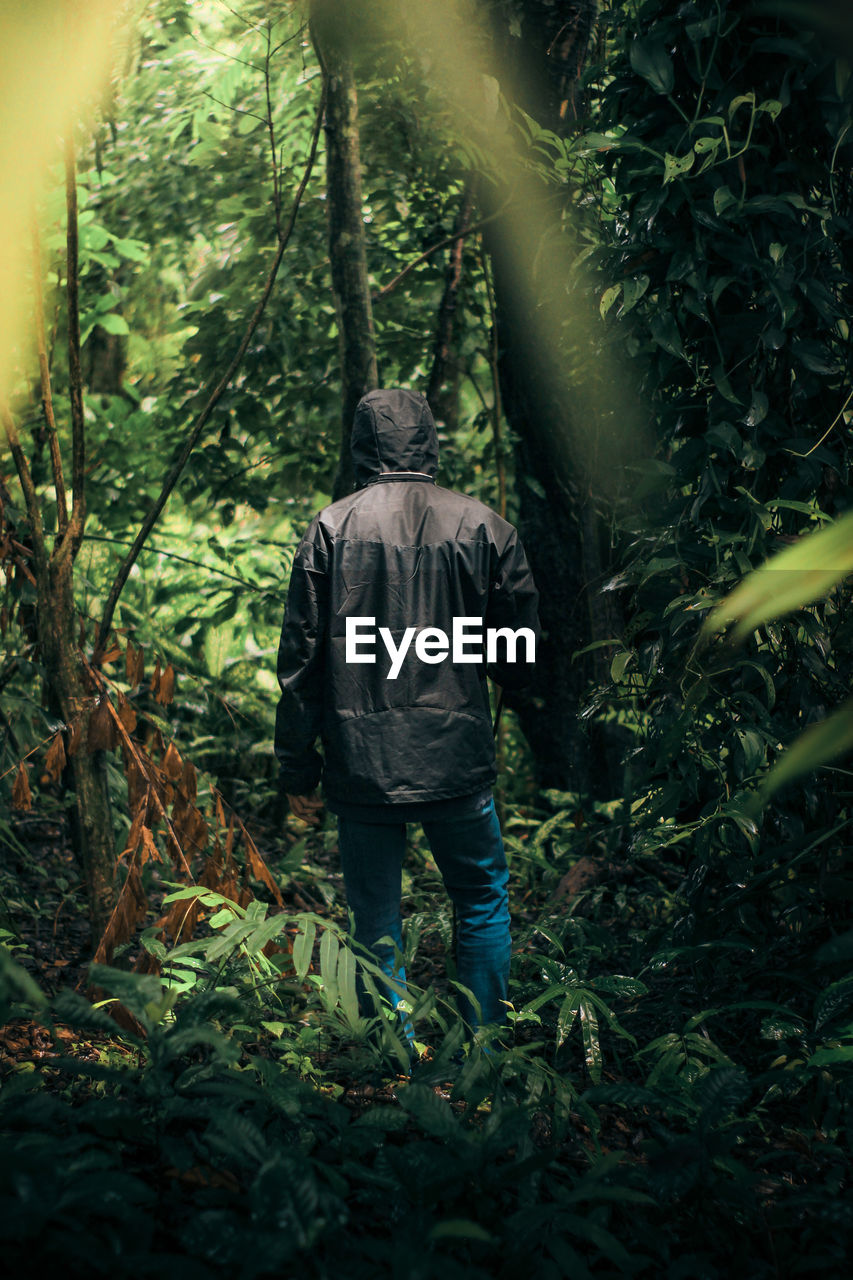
(402, 596)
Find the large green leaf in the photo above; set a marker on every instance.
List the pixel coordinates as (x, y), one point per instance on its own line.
(819, 744)
(796, 577)
(650, 60)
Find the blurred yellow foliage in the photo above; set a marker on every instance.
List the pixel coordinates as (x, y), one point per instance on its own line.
(55, 58)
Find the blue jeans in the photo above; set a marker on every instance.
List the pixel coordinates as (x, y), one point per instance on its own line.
(470, 855)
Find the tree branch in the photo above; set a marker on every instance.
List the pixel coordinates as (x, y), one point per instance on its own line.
(46, 394)
(215, 396)
(276, 189)
(441, 244)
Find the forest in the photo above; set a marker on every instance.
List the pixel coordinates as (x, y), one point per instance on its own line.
(612, 244)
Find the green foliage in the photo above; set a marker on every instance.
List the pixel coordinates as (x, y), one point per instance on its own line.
(671, 1095)
(721, 234)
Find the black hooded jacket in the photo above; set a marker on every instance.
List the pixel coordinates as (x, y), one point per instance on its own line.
(404, 553)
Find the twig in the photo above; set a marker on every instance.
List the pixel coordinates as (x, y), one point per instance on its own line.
(246, 21)
(276, 188)
(831, 426)
(230, 106)
(173, 555)
(46, 394)
(232, 57)
(214, 398)
(31, 752)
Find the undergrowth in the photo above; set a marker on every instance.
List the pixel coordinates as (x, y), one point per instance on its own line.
(660, 1103)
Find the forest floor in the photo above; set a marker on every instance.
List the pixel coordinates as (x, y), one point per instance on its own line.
(752, 1173)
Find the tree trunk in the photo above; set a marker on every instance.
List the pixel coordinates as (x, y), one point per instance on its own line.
(442, 397)
(347, 249)
(558, 521)
(75, 701)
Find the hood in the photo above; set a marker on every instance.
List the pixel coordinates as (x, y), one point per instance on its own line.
(393, 430)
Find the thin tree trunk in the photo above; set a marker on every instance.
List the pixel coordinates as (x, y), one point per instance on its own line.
(444, 405)
(66, 667)
(347, 247)
(68, 689)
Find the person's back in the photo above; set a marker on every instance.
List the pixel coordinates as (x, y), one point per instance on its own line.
(377, 571)
(398, 595)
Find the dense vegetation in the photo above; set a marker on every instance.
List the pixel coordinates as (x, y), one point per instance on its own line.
(620, 265)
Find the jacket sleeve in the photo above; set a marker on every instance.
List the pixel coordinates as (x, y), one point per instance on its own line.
(513, 604)
(301, 666)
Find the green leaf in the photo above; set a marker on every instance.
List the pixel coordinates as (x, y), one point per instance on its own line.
(838, 997)
(819, 744)
(346, 985)
(665, 333)
(432, 1113)
(723, 200)
(262, 934)
(608, 298)
(754, 750)
(831, 1056)
(721, 382)
(632, 291)
(650, 60)
(566, 1016)
(618, 665)
(796, 577)
(675, 166)
(741, 100)
(139, 992)
(620, 985)
(534, 485)
(112, 322)
(591, 1043)
(303, 946)
(18, 984)
(460, 1228)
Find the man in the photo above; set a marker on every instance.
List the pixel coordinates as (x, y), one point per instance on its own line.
(397, 595)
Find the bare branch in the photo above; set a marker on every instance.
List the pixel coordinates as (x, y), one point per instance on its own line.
(440, 244)
(173, 555)
(246, 21)
(239, 111)
(276, 188)
(46, 394)
(213, 399)
(232, 57)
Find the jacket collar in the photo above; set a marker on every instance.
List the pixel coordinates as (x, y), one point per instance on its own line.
(400, 475)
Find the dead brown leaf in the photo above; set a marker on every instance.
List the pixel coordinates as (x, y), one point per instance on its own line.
(55, 760)
(22, 797)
